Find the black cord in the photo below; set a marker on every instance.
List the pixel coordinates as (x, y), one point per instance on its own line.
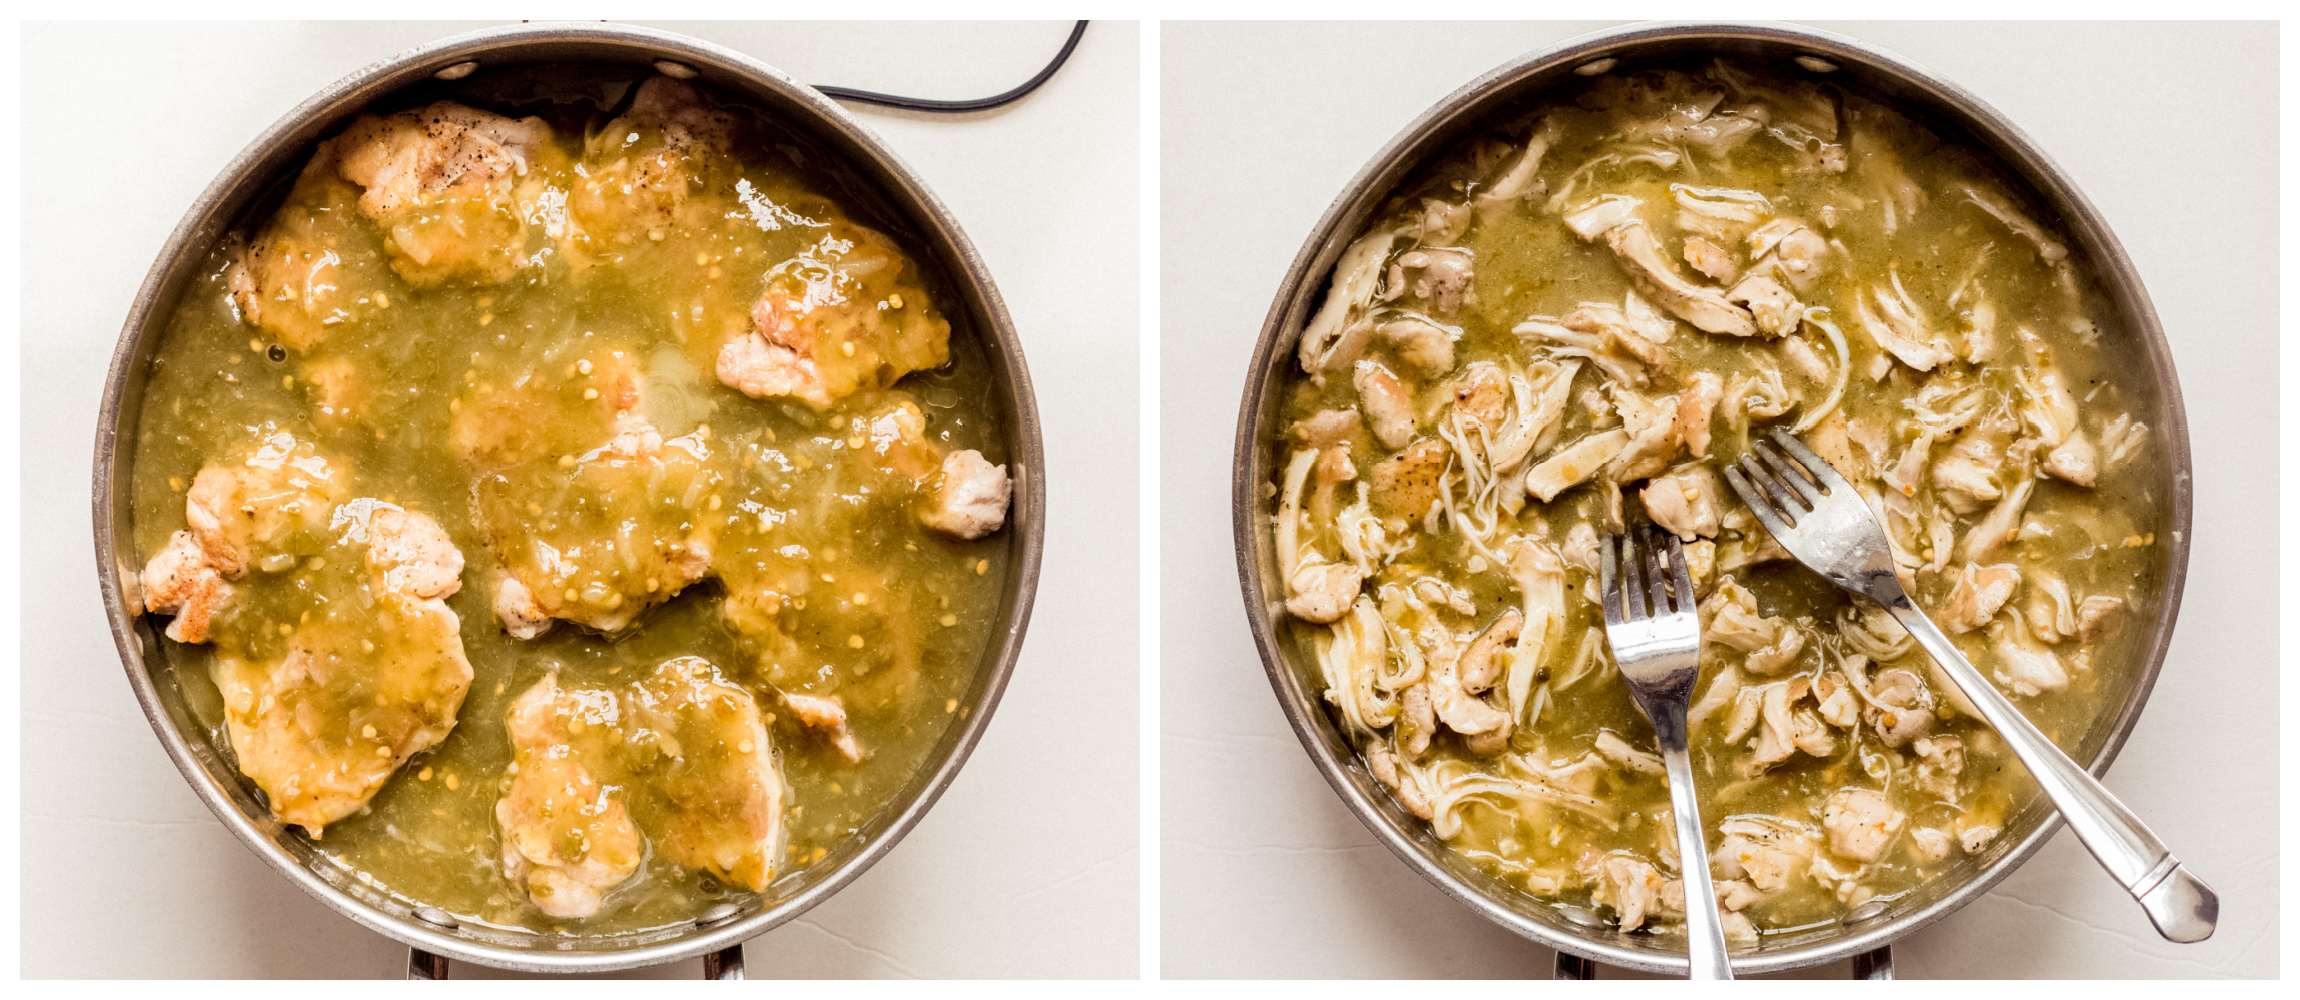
(961, 107)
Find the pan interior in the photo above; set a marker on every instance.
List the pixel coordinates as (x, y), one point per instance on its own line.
(1503, 96)
(522, 70)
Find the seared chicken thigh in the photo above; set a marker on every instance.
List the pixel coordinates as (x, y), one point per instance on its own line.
(567, 837)
(699, 744)
(849, 313)
(336, 653)
(592, 516)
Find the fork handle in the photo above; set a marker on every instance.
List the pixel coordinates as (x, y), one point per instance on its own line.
(2181, 906)
(1704, 934)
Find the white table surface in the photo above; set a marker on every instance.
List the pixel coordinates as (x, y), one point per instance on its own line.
(2170, 129)
(1027, 867)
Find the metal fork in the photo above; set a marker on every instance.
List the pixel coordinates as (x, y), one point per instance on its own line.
(1826, 524)
(1658, 647)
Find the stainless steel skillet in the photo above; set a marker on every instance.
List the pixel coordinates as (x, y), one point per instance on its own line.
(928, 230)
(1959, 117)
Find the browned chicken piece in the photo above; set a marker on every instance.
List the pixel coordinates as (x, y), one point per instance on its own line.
(1653, 436)
(1861, 823)
(1705, 308)
(1574, 464)
(1998, 526)
(182, 581)
(849, 313)
(1482, 662)
(1615, 330)
(1900, 706)
(1384, 764)
(1941, 759)
(1782, 727)
(567, 837)
(1696, 406)
(2099, 615)
(321, 726)
(2052, 411)
(1891, 320)
(710, 764)
(1768, 851)
(1322, 592)
(1602, 215)
(1460, 710)
(1966, 477)
(1424, 346)
(1482, 393)
(1730, 619)
(971, 499)
(1712, 260)
(1417, 721)
(1774, 309)
(440, 180)
(1387, 404)
(1685, 501)
(1327, 428)
(647, 172)
(1628, 884)
(1438, 279)
(2022, 666)
(827, 716)
(1407, 483)
(1979, 592)
(259, 513)
(591, 513)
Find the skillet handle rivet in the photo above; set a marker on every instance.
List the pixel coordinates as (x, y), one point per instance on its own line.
(457, 71)
(675, 70)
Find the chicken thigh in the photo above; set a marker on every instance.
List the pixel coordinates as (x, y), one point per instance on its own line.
(567, 837)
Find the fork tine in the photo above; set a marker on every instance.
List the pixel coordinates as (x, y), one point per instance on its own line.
(1657, 572)
(1788, 475)
(1759, 504)
(1683, 576)
(1826, 473)
(1633, 582)
(1609, 582)
(1783, 502)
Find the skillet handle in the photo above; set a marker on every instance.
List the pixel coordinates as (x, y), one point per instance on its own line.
(1876, 966)
(1572, 966)
(726, 963)
(422, 964)
(1871, 965)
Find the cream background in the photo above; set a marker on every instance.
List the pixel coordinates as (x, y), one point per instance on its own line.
(1028, 865)
(2168, 128)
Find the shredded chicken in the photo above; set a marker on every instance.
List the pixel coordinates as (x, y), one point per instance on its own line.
(1861, 823)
